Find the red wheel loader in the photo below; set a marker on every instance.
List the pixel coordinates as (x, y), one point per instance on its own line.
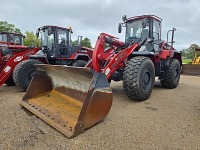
(56, 49)
(12, 52)
(74, 99)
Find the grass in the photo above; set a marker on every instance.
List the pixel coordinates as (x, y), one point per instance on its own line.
(186, 61)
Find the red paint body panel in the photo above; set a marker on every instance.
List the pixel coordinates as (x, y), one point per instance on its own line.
(118, 60)
(8, 63)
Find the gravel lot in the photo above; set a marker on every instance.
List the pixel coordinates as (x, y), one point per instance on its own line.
(169, 119)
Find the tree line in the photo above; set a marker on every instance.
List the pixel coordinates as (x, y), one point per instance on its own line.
(31, 38)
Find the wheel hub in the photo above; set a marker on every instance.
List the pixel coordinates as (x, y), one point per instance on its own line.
(176, 74)
(146, 81)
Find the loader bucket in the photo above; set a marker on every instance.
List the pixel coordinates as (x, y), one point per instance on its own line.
(190, 69)
(69, 99)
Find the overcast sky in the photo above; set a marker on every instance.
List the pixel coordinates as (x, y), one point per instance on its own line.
(91, 17)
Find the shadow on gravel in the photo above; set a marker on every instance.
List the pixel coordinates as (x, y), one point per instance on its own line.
(27, 111)
(5, 88)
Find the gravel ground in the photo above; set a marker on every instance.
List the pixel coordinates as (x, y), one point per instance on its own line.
(169, 119)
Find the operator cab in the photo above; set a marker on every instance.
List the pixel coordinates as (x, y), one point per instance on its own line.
(55, 41)
(140, 28)
(8, 38)
(11, 38)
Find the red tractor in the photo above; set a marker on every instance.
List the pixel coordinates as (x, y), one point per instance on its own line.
(12, 51)
(56, 49)
(73, 99)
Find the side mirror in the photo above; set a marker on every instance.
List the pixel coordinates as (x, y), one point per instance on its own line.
(124, 18)
(37, 34)
(119, 28)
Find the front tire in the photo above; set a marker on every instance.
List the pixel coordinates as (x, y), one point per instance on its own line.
(23, 73)
(139, 78)
(171, 76)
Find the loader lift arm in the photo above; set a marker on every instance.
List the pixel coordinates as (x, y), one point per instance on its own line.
(115, 60)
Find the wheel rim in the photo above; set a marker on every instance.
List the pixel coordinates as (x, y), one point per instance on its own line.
(146, 80)
(31, 74)
(176, 74)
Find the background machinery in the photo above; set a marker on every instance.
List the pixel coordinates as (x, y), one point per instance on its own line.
(56, 49)
(196, 59)
(73, 99)
(12, 52)
(194, 67)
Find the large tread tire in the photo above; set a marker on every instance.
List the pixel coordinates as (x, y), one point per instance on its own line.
(79, 63)
(10, 81)
(24, 72)
(171, 76)
(139, 78)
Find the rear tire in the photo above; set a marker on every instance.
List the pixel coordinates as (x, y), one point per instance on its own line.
(172, 75)
(23, 73)
(139, 78)
(79, 63)
(10, 81)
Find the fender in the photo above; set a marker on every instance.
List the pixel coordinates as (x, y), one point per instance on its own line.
(76, 56)
(167, 62)
(83, 51)
(12, 62)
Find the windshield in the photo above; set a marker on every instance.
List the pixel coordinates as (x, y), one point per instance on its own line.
(133, 30)
(47, 39)
(16, 39)
(62, 37)
(3, 37)
(156, 30)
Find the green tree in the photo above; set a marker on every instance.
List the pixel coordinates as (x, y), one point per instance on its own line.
(189, 52)
(183, 52)
(31, 39)
(193, 47)
(74, 42)
(6, 27)
(85, 42)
